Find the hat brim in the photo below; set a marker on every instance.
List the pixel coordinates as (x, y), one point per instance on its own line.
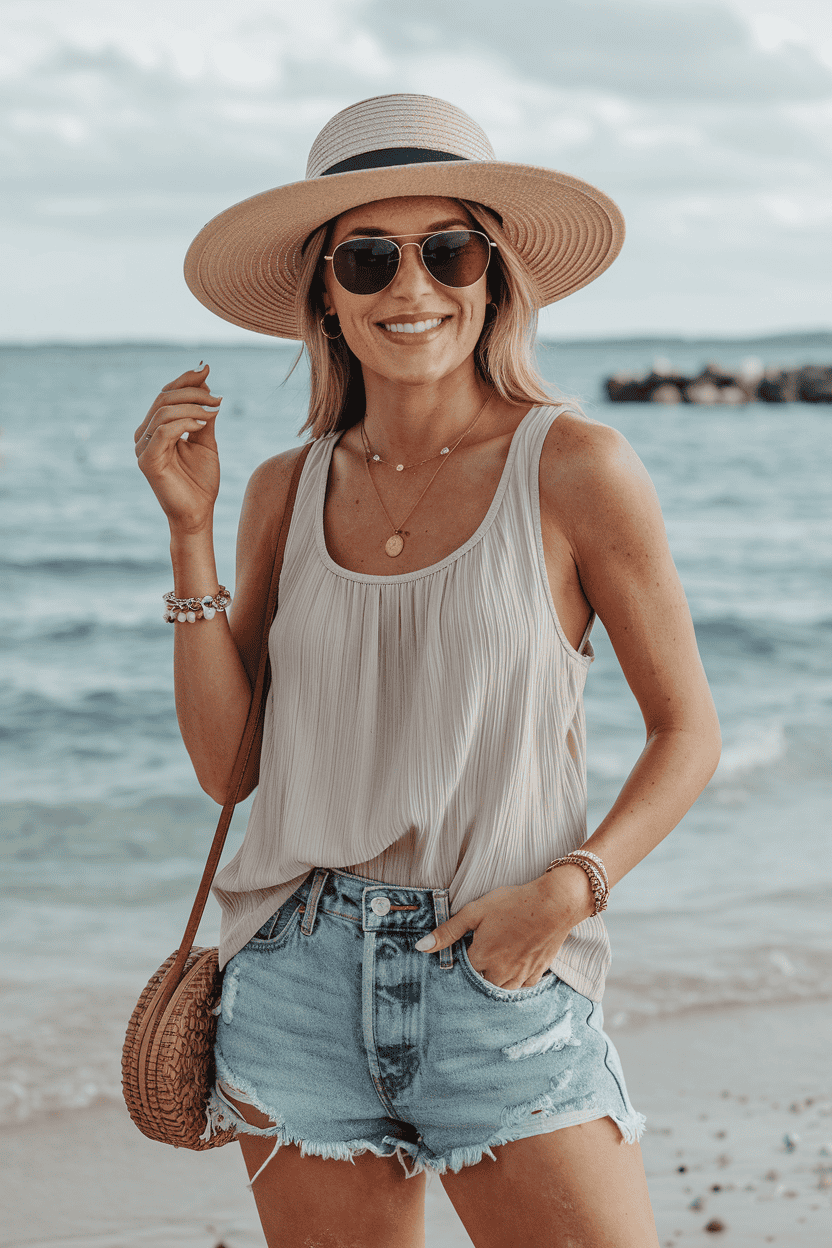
(243, 265)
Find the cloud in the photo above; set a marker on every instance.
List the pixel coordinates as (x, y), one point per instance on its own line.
(96, 124)
(647, 50)
(132, 124)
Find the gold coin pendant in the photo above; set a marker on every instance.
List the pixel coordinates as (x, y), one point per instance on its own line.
(394, 545)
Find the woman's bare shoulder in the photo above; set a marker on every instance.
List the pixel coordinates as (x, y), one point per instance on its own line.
(263, 505)
(271, 478)
(266, 491)
(575, 440)
(585, 463)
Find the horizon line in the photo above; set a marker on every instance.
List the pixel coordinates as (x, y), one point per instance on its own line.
(598, 340)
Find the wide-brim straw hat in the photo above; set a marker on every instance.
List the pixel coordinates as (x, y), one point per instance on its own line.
(244, 264)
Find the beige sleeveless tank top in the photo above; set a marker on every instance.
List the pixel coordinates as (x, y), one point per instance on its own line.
(424, 729)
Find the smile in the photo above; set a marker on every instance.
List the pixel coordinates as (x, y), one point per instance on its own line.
(412, 327)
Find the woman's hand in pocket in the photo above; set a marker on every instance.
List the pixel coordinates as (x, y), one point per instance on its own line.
(518, 929)
(177, 451)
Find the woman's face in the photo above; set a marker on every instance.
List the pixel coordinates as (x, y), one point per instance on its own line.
(412, 296)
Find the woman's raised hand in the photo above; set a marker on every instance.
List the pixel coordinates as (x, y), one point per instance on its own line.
(177, 451)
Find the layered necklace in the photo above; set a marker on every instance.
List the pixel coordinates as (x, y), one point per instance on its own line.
(395, 542)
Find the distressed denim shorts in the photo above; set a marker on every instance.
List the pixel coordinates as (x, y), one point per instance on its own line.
(350, 1039)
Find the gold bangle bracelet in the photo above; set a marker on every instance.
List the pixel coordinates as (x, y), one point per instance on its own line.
(600, 891)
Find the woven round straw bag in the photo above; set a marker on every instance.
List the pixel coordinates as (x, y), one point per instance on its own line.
(168, 1056)
(167, 1062)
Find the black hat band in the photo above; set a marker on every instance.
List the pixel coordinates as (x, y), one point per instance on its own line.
(385, 156)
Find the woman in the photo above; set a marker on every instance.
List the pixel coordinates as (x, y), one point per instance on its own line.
(414, 958)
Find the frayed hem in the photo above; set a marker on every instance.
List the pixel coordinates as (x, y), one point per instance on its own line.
(332, 1150)
(631, 1128)
(466, 1155)
(229, 1114)
(221, 1116)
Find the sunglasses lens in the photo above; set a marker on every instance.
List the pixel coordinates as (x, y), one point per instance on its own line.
(364, 266)
(457, 258)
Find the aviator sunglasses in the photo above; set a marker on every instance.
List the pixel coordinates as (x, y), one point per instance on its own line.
(455, 258)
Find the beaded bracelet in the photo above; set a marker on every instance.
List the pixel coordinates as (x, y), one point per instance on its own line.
(585, 853)
(598, 883)
(189, 610)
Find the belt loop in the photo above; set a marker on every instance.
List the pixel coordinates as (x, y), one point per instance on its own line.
(311, 908)
(442, 911)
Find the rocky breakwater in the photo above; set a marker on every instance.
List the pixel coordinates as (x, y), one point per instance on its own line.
(750, 384)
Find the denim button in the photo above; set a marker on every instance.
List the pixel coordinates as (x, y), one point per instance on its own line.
(380, 905)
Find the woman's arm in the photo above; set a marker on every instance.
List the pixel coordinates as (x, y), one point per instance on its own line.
(607, 507)
(214, 660)
(599, 498)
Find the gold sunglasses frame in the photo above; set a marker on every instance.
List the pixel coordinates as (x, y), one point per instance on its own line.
(374, 238)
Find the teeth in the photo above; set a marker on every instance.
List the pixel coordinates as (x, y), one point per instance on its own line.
(418, 328)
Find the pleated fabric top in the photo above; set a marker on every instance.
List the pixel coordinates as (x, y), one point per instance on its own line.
(423, 729)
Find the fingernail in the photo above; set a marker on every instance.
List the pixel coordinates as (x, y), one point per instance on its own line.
(427, 942)
(202, 422)
(183, 437)
(212, 410)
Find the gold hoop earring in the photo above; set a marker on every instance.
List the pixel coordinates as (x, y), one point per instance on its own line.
(331, 337)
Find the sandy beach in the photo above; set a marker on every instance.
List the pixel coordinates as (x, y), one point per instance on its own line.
(738, 1151)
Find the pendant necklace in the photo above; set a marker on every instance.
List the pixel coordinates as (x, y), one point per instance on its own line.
(395, 543)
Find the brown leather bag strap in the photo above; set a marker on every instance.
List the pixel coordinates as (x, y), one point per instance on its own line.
(255, 716)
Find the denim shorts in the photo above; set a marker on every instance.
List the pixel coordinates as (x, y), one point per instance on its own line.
(350, 1040)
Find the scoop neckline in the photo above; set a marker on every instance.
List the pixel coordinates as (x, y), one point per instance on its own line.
(368, 578)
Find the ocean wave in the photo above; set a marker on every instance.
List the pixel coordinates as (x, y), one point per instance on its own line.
(71, 630)
(767, 976)
(778, 619)
(86, 719)
(28, 631)
(749, 637)
(750, 745)
(75, 1059)
(758, 755)
(89, 837)
(74, 566)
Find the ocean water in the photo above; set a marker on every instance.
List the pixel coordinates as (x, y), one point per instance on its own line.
(105, 829)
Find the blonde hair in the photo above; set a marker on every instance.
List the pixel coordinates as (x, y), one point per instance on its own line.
(503, 356)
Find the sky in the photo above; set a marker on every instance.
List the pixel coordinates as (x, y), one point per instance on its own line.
(125, 125)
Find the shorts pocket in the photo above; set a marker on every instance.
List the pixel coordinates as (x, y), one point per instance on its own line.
(278, 927)
(486, 987)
